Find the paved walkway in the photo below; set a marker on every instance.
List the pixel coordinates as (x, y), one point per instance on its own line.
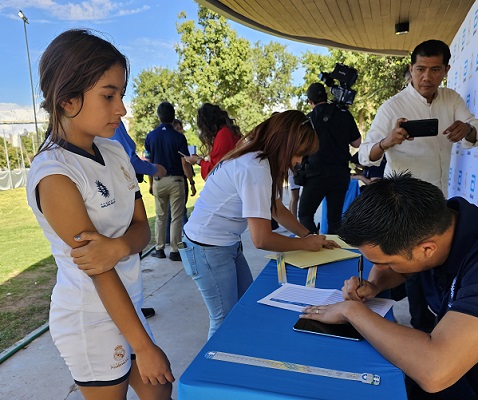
(180, 328)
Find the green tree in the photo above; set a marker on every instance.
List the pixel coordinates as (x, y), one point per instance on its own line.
(215, 66)
(272, 87)
(380, 77)
(151, 87)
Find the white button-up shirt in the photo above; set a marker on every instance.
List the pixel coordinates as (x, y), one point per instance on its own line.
(427, 158)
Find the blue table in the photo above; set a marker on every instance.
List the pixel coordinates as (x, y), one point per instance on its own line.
(262, 331)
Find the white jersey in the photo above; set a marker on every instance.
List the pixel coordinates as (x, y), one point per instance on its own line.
(108, 186)
(235, 190)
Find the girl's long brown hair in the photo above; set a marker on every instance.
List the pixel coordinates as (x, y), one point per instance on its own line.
(71, 65)
(210, 119)
(278, 139)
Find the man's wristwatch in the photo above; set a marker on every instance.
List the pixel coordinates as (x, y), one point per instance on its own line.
(469, 126)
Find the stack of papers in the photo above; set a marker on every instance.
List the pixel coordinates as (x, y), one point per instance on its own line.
(296, 298)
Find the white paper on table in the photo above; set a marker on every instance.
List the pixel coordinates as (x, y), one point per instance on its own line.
(296, 298)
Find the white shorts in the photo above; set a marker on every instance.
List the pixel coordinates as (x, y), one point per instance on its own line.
(93, 348)
(290, 179)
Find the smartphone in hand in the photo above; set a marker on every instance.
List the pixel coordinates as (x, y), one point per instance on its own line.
(421, 127)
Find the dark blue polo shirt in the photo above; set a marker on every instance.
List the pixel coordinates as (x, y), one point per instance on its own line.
(457, 282)
(457, 278)
(162, 145)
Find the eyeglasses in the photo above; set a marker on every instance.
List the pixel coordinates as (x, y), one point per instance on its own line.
(308, 120)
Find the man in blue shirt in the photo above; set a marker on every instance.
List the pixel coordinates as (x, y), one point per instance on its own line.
(164, 145)
(141, 167)
(404, 226)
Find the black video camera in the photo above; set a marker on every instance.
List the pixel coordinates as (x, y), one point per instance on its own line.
(343, 94)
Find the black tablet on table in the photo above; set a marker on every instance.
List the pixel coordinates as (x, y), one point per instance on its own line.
(342, 331)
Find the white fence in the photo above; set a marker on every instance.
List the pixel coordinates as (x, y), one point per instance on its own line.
(13, 179)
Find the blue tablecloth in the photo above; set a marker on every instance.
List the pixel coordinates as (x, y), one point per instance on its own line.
(262, 331)
(352, 192)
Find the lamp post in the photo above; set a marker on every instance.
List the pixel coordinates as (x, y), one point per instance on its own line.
(25, 22)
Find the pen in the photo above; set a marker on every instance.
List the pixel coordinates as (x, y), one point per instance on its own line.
(360, 269)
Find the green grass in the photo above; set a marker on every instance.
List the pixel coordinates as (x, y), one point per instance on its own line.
(27, 269)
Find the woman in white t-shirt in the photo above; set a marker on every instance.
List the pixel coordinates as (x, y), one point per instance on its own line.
(83, 191)
(245, 189)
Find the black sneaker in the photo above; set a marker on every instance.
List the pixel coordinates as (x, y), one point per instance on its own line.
(174, 256)
(148, 312)
(158, 253)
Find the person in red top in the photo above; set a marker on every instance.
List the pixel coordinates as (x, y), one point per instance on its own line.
(218, 136)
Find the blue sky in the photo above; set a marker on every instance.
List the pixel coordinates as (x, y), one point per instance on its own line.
(144, 30)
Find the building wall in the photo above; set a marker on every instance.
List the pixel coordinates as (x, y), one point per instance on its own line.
(463, 77)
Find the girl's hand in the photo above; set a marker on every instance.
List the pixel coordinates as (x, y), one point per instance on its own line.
(318, 242)
(193, 159)
(154, 366)
(98, 254)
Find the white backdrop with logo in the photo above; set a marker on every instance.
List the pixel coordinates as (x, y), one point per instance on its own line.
(463, 77)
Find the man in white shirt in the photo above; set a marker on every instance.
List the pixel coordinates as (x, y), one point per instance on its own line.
(427, 158)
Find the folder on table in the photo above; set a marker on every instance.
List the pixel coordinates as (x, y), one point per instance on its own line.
(339, 241)
(306, 259)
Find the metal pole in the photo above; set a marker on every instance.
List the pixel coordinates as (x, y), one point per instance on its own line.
(16, 151)
(25, 22)
(8, 160)
(21, 152)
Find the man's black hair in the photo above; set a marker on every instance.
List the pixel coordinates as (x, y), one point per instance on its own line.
(316, 93)
(432, 48)
(166, 113)
(396, 213)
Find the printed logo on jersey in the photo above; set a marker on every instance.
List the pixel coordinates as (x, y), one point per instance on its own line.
(103, 190)
(452, 293)
(131, 184)
(218, 165)
(119, 356)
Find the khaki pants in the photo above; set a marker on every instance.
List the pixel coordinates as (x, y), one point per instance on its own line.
(169, 191)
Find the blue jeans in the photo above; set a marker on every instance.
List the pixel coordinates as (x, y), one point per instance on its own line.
(222, 275)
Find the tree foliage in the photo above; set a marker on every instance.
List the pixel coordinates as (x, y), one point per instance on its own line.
(151, 87)
(271, 88)
(213, 63)
(15, 153)
(218, 67)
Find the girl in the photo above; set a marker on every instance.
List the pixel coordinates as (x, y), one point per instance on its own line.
(84, 194)
(240, 192)
(218, 136)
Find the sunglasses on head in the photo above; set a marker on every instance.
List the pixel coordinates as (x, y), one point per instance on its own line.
(308, 120)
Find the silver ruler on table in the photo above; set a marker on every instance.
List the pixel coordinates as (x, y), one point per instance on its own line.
(371, 379)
